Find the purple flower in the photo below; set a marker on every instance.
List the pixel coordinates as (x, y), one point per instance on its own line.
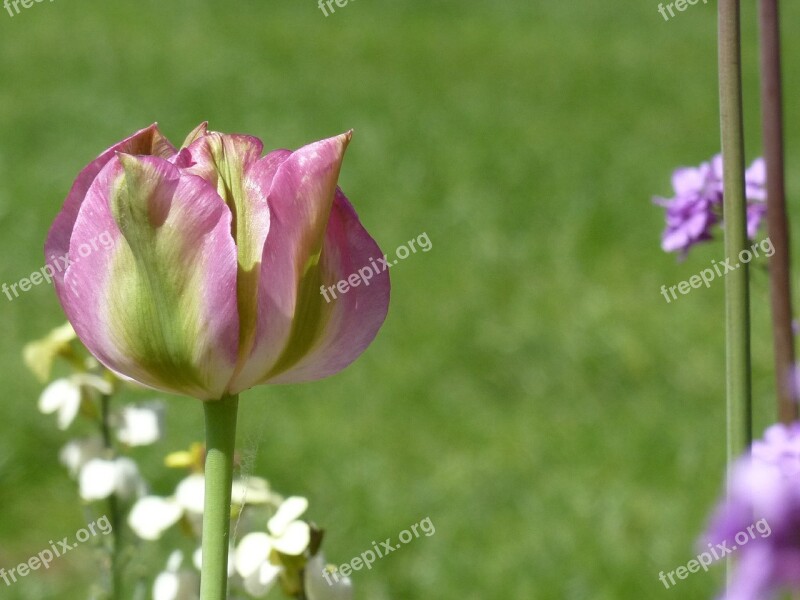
(755, 181)
(697, 205)
(755, 189)
(691, 213)
(759, 522)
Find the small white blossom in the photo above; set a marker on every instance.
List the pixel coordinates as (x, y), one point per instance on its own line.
(289, 534)
(141, 425)
(99, 478)
(251, 490)
(77, 453)
(190, 493)
(63, 396)
(286, 534)
(175, 583)
(151, 516)
(251, 561)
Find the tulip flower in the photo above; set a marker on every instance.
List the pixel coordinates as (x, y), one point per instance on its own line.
(210, 281)
(198, 271)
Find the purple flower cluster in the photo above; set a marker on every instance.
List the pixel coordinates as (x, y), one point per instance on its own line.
(697, 204)
(763, 487)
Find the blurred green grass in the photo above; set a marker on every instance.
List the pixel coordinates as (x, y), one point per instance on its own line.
(531, 391)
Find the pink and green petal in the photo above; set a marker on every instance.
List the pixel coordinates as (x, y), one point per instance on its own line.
(148, 141)
(159, 306)
(350, 322)
(223, 160)
(293, 317)
(195, 134)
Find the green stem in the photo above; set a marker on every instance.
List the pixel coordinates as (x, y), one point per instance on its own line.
(220, 418)
(737, 297)
(777, 225)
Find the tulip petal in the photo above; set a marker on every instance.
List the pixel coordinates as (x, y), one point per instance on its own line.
(353, 318)
(157, 302)
(315, 239)
(223, 160)
(195, 134)
(148, 141)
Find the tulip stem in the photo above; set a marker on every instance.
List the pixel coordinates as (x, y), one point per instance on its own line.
(220, 416)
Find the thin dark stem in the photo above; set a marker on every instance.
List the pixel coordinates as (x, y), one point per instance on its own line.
(113, 504)
(777, 224)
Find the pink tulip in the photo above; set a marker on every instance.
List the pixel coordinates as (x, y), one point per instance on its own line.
(198, 271)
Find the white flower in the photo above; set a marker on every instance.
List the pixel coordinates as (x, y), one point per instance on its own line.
(64, 396)
(251, 490)
(176, 583)
(251, 561)
(77, 453)
(322, 582)
(141, 425)
(151, 516)
(289, 535)
(99, 478)
(190, 493)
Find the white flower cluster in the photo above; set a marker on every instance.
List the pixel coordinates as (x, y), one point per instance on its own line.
(277, 545)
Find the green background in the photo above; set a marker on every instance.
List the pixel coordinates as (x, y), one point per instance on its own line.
(531, 391)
